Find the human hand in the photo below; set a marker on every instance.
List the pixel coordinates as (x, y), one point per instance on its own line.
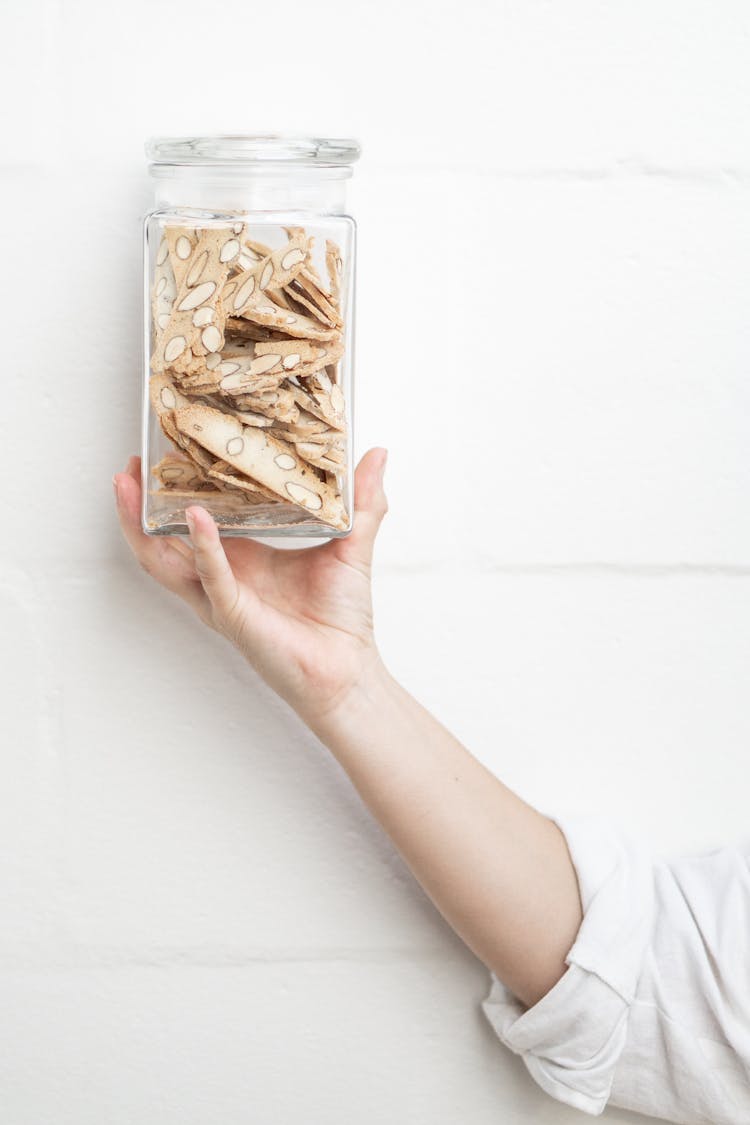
(302, 618)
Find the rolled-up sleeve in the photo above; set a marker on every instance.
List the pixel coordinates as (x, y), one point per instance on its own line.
(572, 1039)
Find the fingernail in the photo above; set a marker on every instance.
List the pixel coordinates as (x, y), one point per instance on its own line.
(116, 487)
(190, 521)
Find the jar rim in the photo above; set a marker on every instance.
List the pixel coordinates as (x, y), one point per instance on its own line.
(253, 149)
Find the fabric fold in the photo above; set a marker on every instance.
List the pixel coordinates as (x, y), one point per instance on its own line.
(572, 1039)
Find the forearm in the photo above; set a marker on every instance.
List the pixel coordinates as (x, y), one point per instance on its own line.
(498, 871)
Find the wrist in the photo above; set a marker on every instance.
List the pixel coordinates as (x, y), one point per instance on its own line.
(364, 696)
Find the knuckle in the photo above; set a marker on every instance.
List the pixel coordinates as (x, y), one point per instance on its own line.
(228, 620)
(204, 571)
(208, 567)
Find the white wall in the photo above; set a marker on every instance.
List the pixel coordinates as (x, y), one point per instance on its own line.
(200, 924)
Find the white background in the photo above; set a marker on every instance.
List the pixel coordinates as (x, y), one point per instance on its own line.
(200, 924)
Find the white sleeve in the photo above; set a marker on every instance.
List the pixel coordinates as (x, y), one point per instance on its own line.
(653, 1012)
(572, 1039)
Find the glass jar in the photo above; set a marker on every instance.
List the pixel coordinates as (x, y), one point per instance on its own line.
(249, 316)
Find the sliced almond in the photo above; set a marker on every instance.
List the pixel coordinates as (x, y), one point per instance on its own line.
(197, 267)
(265, 275)
(265, 363)
(292, 258)
(197, 296)
(164, 291)
(306, 497)
(211, 338)
(202, 317)
(181, 241)
(175, 346)
(177, 471)
(229, 250)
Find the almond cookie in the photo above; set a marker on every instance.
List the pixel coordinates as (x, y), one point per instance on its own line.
(335, 267)
(262, 458)
(277, 358)
(312, 297)
(204, 495)
(273, 272)
(248, 418)
(196, 326)
(240, 373)
(278, 403)
(323, 457)
(238, 329)
(175, 471)
(289, 431)
(164, 395)
(267, 315)
(324, 399)
(243, 297)
(181, 243)
(163, 290)
(192, 450)
(231, 480)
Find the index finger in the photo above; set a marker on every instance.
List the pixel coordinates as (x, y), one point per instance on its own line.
(167, 560)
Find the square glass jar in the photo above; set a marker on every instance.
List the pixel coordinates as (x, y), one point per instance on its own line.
(249, 262)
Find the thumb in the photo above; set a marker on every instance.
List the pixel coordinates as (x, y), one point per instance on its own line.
(370, 505)
(211, 563)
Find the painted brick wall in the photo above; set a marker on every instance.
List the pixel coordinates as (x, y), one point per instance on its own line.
(200, 923)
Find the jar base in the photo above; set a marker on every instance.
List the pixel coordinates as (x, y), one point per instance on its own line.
(266, 521)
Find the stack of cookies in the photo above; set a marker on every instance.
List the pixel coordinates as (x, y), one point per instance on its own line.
(246, 354)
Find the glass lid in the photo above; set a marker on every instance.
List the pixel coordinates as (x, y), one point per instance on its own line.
(253, 149)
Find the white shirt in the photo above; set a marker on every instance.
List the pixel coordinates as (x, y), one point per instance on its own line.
(653, 1012)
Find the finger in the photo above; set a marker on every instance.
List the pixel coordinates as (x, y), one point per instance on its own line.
(158, 556)
(211, 563)
(370, 505)
(133, 468)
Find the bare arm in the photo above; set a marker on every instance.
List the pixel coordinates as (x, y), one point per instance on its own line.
(498, 871)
